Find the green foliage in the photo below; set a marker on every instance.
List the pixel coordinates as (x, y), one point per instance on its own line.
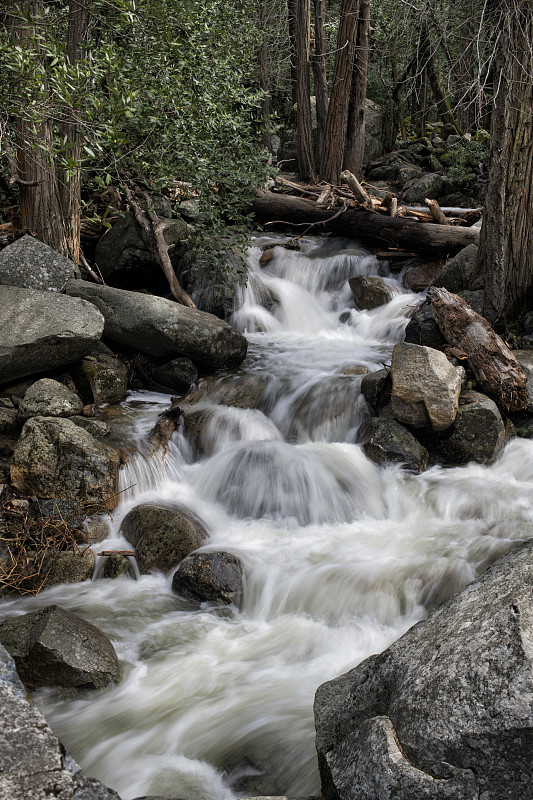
(162, 91)
(463, 160)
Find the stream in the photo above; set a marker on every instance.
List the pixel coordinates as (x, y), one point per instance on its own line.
(340, 557)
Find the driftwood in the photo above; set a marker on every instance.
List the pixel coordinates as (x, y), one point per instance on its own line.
(154, 232)
(497, 371)
(376, 229)
(436, 212)
(362, 197)
(165, 426)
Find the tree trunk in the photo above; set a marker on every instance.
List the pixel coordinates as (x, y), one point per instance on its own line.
(374, 228)
(39, 201)
(355, 136)
(320, 81)
(291, 19)
(263, 80)
(505, 263)
(331, 165)
(306, 160)
(441, 101)
(70, 182)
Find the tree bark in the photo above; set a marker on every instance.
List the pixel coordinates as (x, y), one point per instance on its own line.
(355, 135)
(320, 80)
(332, 157)
(376, 229)
(496, 369)
(505, 263)
(264, 81)
(306, 160)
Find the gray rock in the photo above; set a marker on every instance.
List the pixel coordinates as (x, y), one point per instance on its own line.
(376, 388)
(525, 359)
(387, 168)
(43, 330)
(101, 379)
(53, 647)
(95, 427)
(243, 391)
(374, 131)
(30, 264)
(425, 386)
(213, 282)
(34, 766)
(418, 276)
(189, 210)
(446, 711)
(9, 675)
(385, 441)
(429, 185)
(124, 257)
(422, 329)
(458, 200)
(175, 376)
(56, 458)
(370, 292)
(48, 398)
(458, 271)
(162, 537)
(410, 172)
(163, 328)
(214, 577)
(475, 299)
(56, 567)
(478, 433)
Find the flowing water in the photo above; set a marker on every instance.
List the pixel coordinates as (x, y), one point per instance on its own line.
(340, 557)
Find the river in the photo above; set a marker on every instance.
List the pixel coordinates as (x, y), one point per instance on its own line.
(341, 557)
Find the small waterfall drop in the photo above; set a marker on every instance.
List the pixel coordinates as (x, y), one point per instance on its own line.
(340, 557)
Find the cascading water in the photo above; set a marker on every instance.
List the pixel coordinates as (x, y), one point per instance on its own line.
(340, 557)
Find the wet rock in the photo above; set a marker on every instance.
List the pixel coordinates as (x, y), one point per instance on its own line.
(101, 379)
(175, 376)
(55, 567)
(429, 185)
(370, 292)
(162, 537)
(30, 264)
(419, 276)
(423, 330)
(244, 391)
(8, 674)
(116, 566)
(425, 386)
(212, 283)
(48, 398)
(163, 328)
(42, 330)
(34, 763)
(53, 647)
(385, 441)
(56, 458)
(445, 712)
(458, 272)
(214, 577)
(478, 433)
(376, 388)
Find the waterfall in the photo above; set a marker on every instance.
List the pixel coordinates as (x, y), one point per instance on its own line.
(340, 557)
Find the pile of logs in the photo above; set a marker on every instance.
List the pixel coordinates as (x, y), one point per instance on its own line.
(353, 212)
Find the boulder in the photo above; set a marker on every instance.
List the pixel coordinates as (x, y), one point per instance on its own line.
(30, 264)
(410, 172)
(54, 457)
(211, 281)
(242, 391)
(42, 330)
(385, 441)
(429, 185)
(34, 763)
(445, 713)
(425, 386)
(525, 359)
(477, 434)
(101, 379)
(175, 376)
(54, 647)
(458, 271)
(458, 200)
(376, 388)
(420, 275)
(125, 259)
(58, 566)
(9, 427)
(475, 299)
(48, 398)
(162, 537)
(214, 577)
(370, 292)
(163, 328)
(374, 131)
(423, 329)
(96, 427)
(386, 168)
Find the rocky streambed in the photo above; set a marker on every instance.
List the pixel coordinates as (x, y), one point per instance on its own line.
(342, 483)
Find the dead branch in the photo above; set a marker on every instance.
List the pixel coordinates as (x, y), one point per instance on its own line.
(437, 212)
(362, 197)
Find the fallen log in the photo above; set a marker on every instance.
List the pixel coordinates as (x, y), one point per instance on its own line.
(167, 423)
(436, 212)
(497, 371)
(376, 229)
